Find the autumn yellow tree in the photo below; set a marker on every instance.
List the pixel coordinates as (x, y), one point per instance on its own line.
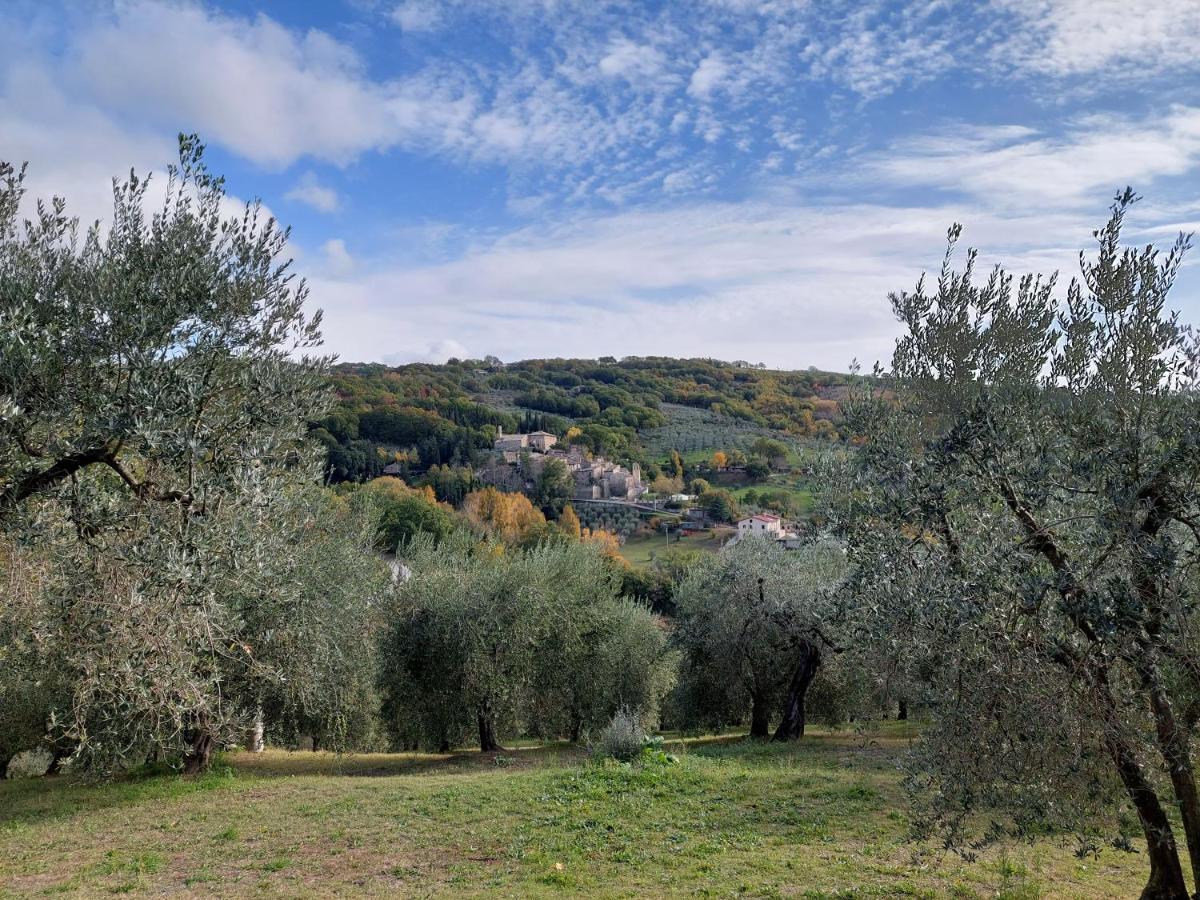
(666, 485)
(676, 464)
(719, 460)
(508, 516)
(608, 543)
(387, 487)
(568, 523)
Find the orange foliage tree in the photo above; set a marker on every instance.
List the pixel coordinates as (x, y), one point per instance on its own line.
(508, 516)
(568, 523)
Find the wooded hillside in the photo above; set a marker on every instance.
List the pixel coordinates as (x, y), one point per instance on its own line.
(635, 409)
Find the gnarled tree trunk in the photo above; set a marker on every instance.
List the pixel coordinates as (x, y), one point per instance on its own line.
(200, 756)
(792, 725)
(488, 742)
(254, 735)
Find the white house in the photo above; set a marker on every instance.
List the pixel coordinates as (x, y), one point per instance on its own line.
(761, 525)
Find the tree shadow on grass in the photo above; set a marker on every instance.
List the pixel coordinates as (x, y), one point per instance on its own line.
(875, 746)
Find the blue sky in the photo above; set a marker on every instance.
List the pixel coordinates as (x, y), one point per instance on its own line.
(524, 178)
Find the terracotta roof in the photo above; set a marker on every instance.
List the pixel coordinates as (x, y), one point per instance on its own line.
(766, 517)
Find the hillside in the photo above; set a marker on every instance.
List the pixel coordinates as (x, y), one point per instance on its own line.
(423, 416)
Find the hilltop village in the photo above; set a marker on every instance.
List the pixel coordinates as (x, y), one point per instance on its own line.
(518, 461)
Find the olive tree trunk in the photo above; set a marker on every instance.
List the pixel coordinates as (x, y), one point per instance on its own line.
(1173, 742)
(254, 735)
(199, 757)
(792, 725)
(760, 716)
(1166, 874)
(488, 742)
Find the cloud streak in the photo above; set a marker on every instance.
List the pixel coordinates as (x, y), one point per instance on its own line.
(787, 284)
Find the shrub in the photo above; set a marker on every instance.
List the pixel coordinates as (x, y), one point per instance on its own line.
(622, 738)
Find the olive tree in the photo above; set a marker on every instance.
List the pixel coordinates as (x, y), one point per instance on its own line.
(155, 385)
(1025, 524)
(615, 657)
(488, 638)
(315, 607)
(754, 623)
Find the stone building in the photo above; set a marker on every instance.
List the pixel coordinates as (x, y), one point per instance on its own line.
(519, 459)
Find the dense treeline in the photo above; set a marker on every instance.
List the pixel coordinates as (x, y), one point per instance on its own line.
(423, 415)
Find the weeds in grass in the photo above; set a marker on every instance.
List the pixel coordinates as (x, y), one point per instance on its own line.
(116, 863)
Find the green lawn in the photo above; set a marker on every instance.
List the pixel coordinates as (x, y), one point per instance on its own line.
(821, 819)
(788, 484)
(642, 551)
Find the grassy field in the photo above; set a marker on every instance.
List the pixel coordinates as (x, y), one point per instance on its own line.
(787, 484)
(821, 819)
(642, 551)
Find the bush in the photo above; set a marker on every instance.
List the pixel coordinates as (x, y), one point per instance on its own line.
(622, 738)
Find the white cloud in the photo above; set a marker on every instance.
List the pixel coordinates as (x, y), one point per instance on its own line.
(436, 352)
(708, 75)
(268, 93)
(676, 182)
(416, 16)
(582, 86)
(74, 149)
(40, 124)
(631, 61)
(633, 106)
(310, 191)
(1095, 156)
(1077, 37)
(338, 260)
(783, 279)
(790, 284)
